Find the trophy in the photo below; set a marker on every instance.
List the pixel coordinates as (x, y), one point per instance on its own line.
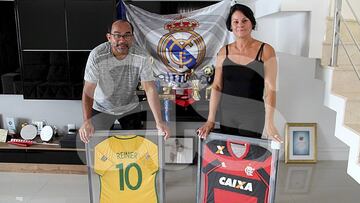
(167, 94)
(167, 90)
(208, 93)
(196, 90)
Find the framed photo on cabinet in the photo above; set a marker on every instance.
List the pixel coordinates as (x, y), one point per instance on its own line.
(179, 150)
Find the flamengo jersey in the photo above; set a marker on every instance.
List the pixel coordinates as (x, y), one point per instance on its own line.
(127, 166)
(236, 179)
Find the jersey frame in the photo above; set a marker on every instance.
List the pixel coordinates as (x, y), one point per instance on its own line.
(102, 135)
(272, 146)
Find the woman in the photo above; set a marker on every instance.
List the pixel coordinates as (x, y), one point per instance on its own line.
(245, 82)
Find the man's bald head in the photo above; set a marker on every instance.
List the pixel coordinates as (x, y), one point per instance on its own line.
(118, 23)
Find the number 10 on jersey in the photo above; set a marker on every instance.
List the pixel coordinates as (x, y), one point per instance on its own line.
(124, 178)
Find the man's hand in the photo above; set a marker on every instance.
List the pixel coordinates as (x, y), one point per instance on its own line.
(86, 130)
(205, 130)
(163, 128)
(154, 102)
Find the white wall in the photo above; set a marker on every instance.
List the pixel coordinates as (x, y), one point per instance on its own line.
(262, 7)
(55, 112)
(319, 11)
(300, 99)
(283, 34)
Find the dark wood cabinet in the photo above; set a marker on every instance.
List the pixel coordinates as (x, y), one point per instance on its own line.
(87, 22)
(42, 24)
(42, 154)
(55, 39)
(53, 74)
(64, 24)
(9, 58)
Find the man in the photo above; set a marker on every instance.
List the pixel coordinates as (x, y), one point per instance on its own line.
(112, 73)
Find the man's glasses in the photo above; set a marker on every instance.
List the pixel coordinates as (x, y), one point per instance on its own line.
(126, 36)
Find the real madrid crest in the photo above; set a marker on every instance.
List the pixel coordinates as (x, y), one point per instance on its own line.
(182, 49)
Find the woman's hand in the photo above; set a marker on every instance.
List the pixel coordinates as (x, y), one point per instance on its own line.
(205, 130)
(272, 132)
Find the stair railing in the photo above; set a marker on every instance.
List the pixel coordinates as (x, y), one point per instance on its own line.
(336, 40)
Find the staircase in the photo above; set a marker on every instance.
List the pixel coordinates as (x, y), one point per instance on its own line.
(343, 92)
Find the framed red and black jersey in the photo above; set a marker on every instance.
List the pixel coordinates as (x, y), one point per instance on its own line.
(236, 169)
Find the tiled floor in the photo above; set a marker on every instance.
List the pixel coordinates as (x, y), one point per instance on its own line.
(325, 181)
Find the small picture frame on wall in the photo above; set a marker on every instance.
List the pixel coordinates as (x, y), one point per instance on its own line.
(300, 143)
(179, 150)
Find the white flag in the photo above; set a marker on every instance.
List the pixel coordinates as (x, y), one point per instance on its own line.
(182, 45)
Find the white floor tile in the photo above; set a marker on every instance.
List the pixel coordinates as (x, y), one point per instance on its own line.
(325, 181)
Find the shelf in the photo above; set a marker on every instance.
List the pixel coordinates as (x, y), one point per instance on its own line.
(42, 154)
(41, 147)
(43, 168)
(38, 147)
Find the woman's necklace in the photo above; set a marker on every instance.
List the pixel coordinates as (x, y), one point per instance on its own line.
(244, 49)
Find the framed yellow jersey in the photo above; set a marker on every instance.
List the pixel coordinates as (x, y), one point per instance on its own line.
(127, 166)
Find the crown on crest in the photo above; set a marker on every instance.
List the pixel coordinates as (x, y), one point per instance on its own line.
(181, 23)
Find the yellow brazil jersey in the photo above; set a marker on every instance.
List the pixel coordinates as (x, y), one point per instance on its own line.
(127, 166)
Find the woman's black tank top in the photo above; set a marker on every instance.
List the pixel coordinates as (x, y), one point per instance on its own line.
(246, 81)
(242, 109)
